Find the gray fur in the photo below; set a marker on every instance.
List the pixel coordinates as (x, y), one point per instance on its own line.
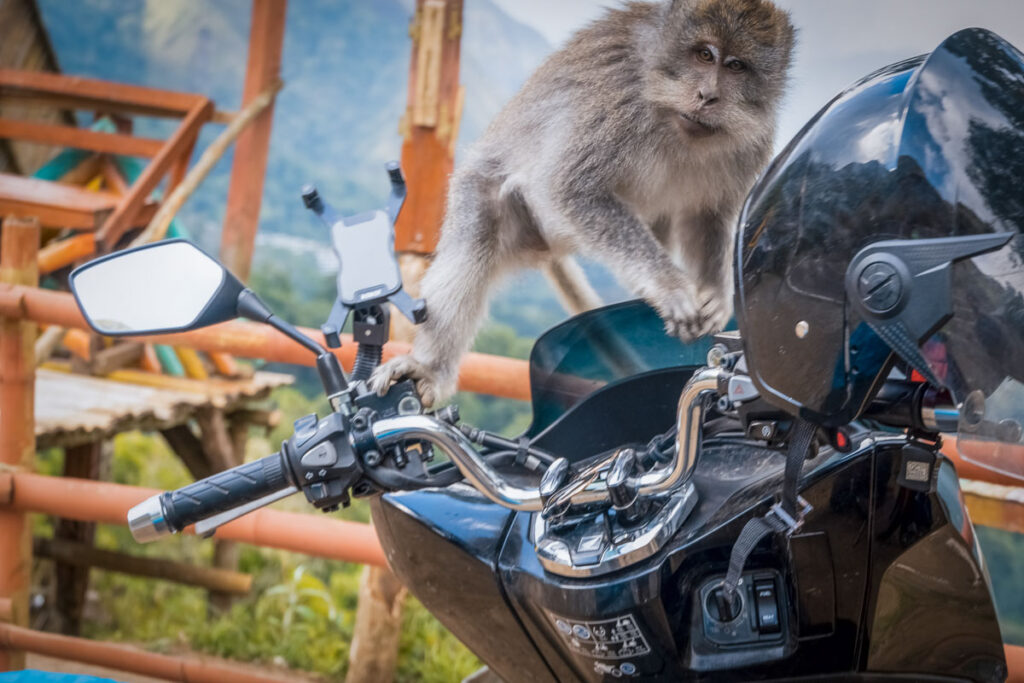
(593, 156)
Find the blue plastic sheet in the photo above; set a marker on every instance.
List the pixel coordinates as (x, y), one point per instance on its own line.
(32, 676)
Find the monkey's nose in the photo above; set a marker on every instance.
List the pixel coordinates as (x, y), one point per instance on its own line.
(707, 97)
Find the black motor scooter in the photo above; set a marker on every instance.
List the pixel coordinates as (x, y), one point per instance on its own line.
(668, 515)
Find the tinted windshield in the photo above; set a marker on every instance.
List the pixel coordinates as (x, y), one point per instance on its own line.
(598, 348)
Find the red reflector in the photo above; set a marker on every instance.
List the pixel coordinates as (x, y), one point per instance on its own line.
(841, 440)
(916, 376)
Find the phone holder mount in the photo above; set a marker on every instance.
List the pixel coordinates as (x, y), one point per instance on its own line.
(368, 273)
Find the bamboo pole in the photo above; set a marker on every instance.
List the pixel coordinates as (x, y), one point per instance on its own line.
(249, 166)
(157, 227)
(97, 501)
(479, 372)
(85, 555)
(19, 247)
(124, 658)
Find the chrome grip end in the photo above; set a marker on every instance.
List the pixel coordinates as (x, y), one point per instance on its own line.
(146, 520)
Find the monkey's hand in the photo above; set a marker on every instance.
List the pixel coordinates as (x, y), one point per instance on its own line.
(716, 309)
(690, 314)
(433, 386)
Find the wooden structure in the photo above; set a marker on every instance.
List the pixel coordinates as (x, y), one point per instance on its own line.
(25, 45)
(108, 215)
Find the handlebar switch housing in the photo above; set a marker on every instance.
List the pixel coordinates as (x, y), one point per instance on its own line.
(322, 461)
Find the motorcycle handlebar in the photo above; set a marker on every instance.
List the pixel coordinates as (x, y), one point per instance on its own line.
(172, 511)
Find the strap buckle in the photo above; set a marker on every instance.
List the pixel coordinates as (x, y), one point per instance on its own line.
(790, 525)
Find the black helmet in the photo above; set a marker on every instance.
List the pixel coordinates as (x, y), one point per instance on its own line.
(891, 227)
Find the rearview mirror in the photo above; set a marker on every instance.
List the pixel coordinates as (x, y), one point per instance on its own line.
(170, 286)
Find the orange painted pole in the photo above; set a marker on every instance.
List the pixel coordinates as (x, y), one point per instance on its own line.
(19, 249)
(124, 658)
(94, 501)
(481, 373)
(1015, 663)
(64, 252)
(245, 193)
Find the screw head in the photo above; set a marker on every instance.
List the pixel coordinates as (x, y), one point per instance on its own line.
(880, 287)
(372, 458)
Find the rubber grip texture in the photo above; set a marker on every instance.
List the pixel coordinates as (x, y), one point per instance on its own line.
(224, 491)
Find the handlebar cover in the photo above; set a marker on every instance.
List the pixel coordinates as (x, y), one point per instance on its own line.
(224, 491)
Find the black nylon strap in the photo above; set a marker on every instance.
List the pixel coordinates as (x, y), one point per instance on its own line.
(757, 528)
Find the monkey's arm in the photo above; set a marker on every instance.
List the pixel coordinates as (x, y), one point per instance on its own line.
(613, 234)
(466, 264)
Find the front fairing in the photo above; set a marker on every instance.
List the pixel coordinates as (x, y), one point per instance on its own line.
(598, 348)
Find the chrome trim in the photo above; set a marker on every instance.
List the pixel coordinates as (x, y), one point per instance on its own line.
(392, 431)
(146, 520)
(552, 545)
(589, 486)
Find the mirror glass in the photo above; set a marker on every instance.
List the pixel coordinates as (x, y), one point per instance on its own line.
(157, 288)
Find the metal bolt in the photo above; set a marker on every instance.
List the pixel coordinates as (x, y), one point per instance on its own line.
(322, 473)
(372, 458)
(309, 476)
(409, 405)
(359, 421)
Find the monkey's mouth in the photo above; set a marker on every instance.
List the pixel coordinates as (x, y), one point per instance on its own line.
(696, 127)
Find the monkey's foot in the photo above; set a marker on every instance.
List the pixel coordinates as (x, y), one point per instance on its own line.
(430, 384)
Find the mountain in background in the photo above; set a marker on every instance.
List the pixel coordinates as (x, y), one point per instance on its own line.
(345, 68)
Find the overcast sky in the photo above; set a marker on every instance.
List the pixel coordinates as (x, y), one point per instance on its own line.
(839, 40)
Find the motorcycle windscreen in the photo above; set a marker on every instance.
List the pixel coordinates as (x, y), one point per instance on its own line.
(979, 356)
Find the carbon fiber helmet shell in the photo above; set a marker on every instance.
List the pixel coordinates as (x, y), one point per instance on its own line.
(932, 147)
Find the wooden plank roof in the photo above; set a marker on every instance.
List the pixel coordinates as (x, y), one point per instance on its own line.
(74, 409)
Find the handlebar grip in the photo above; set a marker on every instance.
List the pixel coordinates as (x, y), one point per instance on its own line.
(172, 511)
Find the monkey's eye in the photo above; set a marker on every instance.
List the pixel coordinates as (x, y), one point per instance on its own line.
(736, 66)
(705, 55)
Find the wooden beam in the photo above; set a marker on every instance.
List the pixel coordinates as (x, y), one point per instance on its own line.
(72, 578)
(19, 244)
(431, 123)
(245, 193)
(92, 94)
(126, 213)
(85, 556)
(58, 205)
(189, 450)
(79, 138)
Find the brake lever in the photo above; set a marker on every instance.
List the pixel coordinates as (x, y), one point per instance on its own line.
(206, 528)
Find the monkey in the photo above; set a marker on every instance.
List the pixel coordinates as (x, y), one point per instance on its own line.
(635, 145)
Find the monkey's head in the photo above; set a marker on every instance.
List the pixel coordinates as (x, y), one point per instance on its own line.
(721, 67)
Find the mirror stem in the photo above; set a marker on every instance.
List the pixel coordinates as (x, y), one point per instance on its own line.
(251, 307)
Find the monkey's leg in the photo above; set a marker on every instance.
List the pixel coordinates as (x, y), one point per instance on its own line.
(615, 236)
(571, 285)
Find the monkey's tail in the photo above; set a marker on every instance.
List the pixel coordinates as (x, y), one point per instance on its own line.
(571, 285)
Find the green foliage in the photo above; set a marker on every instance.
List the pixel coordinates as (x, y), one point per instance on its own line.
(1004, 558)
(300, 612)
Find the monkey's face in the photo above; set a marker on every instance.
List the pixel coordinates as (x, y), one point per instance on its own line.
(722, 66)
